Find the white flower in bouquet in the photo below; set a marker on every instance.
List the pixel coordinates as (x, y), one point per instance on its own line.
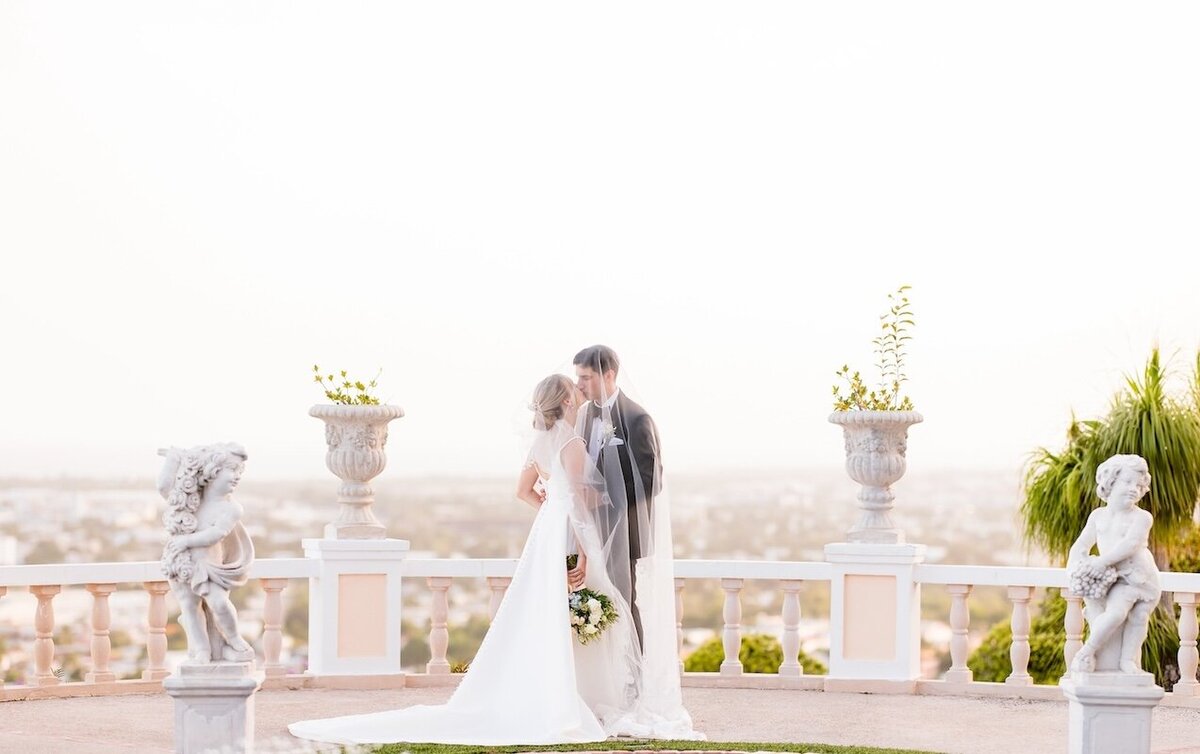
(590, 613)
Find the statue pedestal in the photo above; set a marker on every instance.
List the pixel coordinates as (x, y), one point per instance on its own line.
(214, 707)
(1110, 713)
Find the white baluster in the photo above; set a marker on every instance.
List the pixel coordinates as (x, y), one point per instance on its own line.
(156, 636)
(439, 637)
(3, 591)
(679, 621)
(101, 643)
(1073, 625)
(1019, 651)
(272, 637)
(1187, 685)
(732, 640)
(960, 622)
(498, 585)
(791, 628)
(43, 644)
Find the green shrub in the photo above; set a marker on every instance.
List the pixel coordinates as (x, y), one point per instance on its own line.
(759, 653)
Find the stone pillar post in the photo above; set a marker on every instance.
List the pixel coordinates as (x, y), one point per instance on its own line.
(875, 617)
(354, 606)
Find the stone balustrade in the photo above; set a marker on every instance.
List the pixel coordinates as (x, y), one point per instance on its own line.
(101, 581)
(438, 579)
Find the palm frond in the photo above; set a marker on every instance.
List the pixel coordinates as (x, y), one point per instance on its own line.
(1144, 419)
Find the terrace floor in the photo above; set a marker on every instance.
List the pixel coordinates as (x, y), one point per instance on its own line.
(966, 725)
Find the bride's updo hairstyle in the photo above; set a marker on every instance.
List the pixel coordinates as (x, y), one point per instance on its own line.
(548, 397)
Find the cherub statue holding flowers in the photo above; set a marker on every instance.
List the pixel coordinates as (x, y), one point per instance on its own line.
(209, 551)
(1120, 586)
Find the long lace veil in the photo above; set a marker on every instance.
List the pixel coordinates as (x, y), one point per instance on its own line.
(625, 450)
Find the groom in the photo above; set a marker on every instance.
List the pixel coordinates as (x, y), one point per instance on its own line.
(623, 443)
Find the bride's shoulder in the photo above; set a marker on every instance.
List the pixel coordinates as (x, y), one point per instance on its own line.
(565, 433)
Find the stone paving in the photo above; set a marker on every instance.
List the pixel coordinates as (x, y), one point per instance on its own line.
(950, 725)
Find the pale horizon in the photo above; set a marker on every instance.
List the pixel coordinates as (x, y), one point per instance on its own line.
(198, 203)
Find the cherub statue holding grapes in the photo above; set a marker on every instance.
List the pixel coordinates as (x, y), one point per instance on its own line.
(1120, 586)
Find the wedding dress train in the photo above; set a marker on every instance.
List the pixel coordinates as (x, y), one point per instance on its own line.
(522, 687)
(531, 681)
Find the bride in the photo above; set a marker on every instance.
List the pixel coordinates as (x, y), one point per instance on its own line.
(532, 682)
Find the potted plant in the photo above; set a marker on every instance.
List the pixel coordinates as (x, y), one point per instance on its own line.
(356, 433)
(875, 426)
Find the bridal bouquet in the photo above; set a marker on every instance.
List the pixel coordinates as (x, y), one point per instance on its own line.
(591, 612)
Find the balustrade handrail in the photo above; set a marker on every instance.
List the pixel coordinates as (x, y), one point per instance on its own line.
(1049, 576)
(67, 574)
(72, 574)
(790, 570)
(458, 567)
(991, 575)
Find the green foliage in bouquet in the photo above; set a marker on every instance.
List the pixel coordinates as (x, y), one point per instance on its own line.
(889, 350)
(337, 390)
(591, 613)
(759, 653)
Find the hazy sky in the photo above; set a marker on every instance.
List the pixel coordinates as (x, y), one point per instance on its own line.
(199, 201)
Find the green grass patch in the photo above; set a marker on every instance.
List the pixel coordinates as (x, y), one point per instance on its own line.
(634, 745)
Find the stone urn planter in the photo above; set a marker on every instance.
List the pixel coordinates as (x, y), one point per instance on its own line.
(356, 436)
(876, 442)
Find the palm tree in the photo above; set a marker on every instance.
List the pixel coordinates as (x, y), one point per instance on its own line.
(1060, 490)
(1144, 419)
(1165, 430)
(1196, 383)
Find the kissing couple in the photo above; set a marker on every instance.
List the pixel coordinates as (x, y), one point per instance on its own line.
(594, 474)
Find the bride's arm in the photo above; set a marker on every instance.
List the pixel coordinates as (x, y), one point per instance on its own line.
(525, 487)
(574, 459)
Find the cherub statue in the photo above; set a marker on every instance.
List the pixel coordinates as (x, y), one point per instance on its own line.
(1120, 586)
(209, 551)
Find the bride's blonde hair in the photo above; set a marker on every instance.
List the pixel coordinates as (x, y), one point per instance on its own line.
(548, 397)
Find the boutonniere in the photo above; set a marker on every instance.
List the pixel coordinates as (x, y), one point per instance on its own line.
(608, 435)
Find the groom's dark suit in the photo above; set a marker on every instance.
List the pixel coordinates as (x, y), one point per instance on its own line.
(633, 468)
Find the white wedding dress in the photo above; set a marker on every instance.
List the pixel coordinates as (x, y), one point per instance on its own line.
(532, 682)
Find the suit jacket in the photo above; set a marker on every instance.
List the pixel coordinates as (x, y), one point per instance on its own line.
(634, 465)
